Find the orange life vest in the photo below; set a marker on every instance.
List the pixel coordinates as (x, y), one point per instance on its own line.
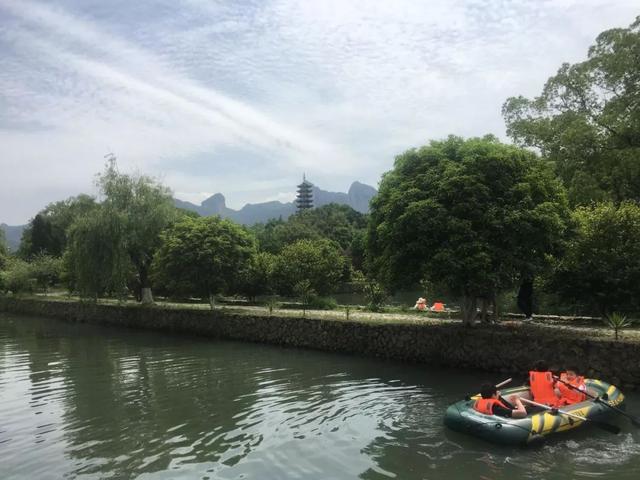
(541, 384)
(438, 307)
(569, 395)
(485, 405)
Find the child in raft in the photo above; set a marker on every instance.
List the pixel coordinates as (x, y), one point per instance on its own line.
(571, 387)
(543, 385)
(490, 403)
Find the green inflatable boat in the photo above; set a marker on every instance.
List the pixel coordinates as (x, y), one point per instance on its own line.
(539, 424)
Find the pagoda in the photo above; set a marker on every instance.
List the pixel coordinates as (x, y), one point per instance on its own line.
(304, 198)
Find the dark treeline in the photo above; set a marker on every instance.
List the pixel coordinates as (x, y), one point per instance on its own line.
(473, 219)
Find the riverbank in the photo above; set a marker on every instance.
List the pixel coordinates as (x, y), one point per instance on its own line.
(510, 346)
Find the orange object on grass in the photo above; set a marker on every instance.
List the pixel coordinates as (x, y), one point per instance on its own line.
(438, 307)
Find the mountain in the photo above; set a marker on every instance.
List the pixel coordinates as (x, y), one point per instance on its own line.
(358, 198)
(13, 234)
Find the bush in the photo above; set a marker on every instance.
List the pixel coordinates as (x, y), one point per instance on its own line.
(46, 271)
(322, 303)
(17, 277)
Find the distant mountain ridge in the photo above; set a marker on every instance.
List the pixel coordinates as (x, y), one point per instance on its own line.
(358, 198)
(13, 234)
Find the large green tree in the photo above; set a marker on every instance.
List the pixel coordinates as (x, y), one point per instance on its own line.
(320, 262)
(587, 120)
(144, 208)
(46, 233)
(473, 215)
(601, 266)
(203, 256)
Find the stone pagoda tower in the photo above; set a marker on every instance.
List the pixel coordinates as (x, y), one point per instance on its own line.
(304, 198)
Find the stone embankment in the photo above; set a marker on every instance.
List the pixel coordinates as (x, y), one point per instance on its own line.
(506, 347)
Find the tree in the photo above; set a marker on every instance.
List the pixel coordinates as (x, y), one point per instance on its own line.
(46, 233)
(144, 209)
(587, 120)
(46, 270)
(16, 277)
(4, 250)
(601, 266)
(203, 256)
(256, 277)
(471, 215)
(339, 223)
(96, 260)
(318, 261)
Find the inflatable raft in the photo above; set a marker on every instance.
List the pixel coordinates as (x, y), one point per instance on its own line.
(536, 426)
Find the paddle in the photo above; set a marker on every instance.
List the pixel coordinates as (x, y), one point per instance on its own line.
(633, 419)
(604, 426)
(501, 384)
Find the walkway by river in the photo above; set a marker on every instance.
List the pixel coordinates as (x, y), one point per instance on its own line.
(80, 401)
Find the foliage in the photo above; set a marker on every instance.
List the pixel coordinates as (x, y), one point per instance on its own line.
(318, 261)
(617, 322)
(272, 304)
(96, 261)
(374, 293)
(322, 303)
(339, 223)
(46, 233)
(601, 266)
(144, 208)
(587, 120)
(471, 215)
(46, 270)
(203, 256)
(4, 250)
(256, 277)
(305, 291)
(16, 277)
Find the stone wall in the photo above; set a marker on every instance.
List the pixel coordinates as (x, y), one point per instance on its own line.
(508, 347)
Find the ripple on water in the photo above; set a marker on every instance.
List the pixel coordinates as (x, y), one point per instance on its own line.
(91, 403)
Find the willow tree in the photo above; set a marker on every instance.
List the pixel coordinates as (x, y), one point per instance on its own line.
(145, 208)
(96, 261)
(472, 215)
(121, 235)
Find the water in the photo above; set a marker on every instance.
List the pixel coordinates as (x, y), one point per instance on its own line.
(79, 401)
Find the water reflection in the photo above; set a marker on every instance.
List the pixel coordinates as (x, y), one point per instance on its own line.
(85, 402)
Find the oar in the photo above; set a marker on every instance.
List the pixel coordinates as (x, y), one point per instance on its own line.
(604, 426)
(501, 384)
(633, 419)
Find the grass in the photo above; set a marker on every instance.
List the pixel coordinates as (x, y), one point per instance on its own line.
(392, 315)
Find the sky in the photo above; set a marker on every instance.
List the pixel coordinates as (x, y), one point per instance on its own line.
(243, 97)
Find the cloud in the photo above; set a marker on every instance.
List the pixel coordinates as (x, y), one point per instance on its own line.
(242, 97)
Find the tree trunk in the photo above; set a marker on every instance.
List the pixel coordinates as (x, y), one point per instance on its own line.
(147, 296)
(212, 301)
(494, 304)
(484, 307)
(469, 309)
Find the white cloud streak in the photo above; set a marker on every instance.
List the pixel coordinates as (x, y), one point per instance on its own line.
(241, 98)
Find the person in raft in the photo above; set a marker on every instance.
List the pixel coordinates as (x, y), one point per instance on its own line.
(490, 403)
(542, 385)
(568, 395)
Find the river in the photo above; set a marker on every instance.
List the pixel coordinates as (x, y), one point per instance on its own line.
(86, 402)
